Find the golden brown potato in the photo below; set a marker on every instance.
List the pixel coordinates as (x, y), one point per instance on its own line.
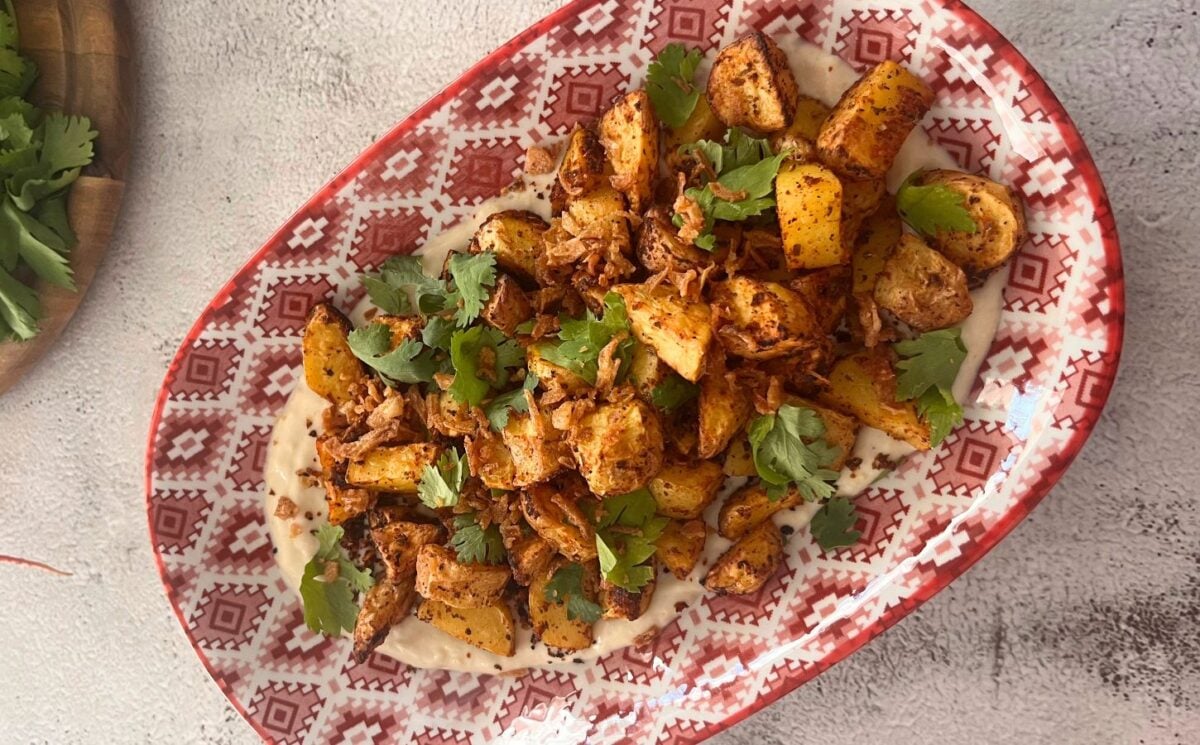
(809, 203)
(863, 385)
(629, 133)
(491, 628)
(557, 518)
(999, 222)
(749, 507)
(551, 376)
(440, 576)
(647, 371)
(550, 621)
(515, 236)
(860, 199)
(536, 454)
(393, 469)
(800, 137)
(879, 233)
(922, 288)
(385, 605)
(617, 602)
(508, 306)
(680, 545)
(723, 411)
(491, 460)
(749, 562)
(739, 459)
(678, 330)
(583, 163)
(659, 246)
(683, 489)
(450, 417)
(866, 128)
(751, 85)
(330, 368)
(618, 447)
(826, 291)
(703, 124)
(763, 320)
(343, 501)
(398, 542)
(528, 556)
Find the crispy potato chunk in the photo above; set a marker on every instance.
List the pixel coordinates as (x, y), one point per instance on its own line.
(922, 288)
(550, 620)
(763, 320)
(866, 129)
(659, 246)
(680, 546)
(440, 576)
(723, 411)
(678, 330)
(646, 371)
(491, 460)
(508, 306)
(629, 133)
(999, 221)
(451, 417)
(536, 455)
(399, 541)
(683, 490)
(739, 459)
(809, 199)
(343, 501)
(749, 507)
(330, 368)
(386, 604)
(528, 556)
(491, 628)
(515, 236)
(557, 518)
(393, 469)
(860, 199)
(703, 124)
(749, 562)
(878, 235)
(751, 85)
(552, 376)
(617, 602)
(801, 135)
(618, 447)
(864, 386)
(826, 291)
(583, 163)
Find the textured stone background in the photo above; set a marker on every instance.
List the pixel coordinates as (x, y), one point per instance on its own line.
(1083, 627)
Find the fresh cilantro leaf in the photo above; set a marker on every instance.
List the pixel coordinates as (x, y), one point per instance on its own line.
(389, 299)
(941, 411)
(66, 148)
(630, 510)
(437, 332)
(482, 357)
(673, 392)
(625, 534)
(10, 37)
(832, 525)
(20, 309)
(670, 83)
(582, 340)
(738, 150)
(43, 250)
(441, 486)
(16, 73)
(407, 274)
(524, 328)
(566, 586)
(329, 606)
(933, 208)
(789, 448)
(473, 274)
(932, 359)
(409, 362)
(476, 545)
(497, 409)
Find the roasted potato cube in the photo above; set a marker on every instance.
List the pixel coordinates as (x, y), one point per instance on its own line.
(800, 137)
(739, 459)
(999, 222)
(617, 602)
(557, 518)
(703, 124)
(678, 330)
(528, 557)
(330, 368)
(860, 199)
(680, 545)
(385, 605)
(865, 130)
(751, 85)
(450, 417)
(552, 376)
(763, 320)
(535, 455)
(922, 288)
(394, 469)
(659, 246)
(603, 202)
(491, 628)
(723, 411)
(863, 385)
(629, 133)
(749, 562)
(398, 542)
(750, 506)
(491, 460)
(878, 235)
(809, 202)
(583, 163)
(549, 618)
(683, 490)
(618, 446)
(515, 236)
(826, 291)
(647, 371)
(508, 306)
(343, 501)
(440, 576)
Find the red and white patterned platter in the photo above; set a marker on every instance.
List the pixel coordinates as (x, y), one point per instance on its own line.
(1036, 398)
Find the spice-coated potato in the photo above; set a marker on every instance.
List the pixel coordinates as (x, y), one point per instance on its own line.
(763, 320)
(678, 330)
(999, 222)
(386, 604)
(528, 556)
(749, 562)
(398, 543)
(618, 447)
(330, 368)
(508, 306)
(583, 163)
(490, 627)
(703, 124)
(800, 137)
(549, 618)
(863, 385)
(393, 469)
(683, 489)
(680, 545)
(629, 133)
(440, 576)
(922, 288)
(515, 236)
(723, 411)
(617, 602)
(557, 518)
(536, 452)
(751, 85)
(809, 203)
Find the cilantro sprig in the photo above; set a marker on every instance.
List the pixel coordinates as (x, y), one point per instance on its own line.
(401, 280)
(926, 372)
(674, 391)
(329, 606)
(482, 357)
(441, 485)
(475, 544)
(789, 449)
(408, 362)
(670, 83)
(833, 525)
(566, 586)
(497, 410)
(582, 340)
(932, 208)
(626, 530)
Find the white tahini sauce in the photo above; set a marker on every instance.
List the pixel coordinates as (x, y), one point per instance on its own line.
(820, 75)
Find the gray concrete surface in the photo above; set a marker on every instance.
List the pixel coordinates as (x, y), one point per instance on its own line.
(1083, 627)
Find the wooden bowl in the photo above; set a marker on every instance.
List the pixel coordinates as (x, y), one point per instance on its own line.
(84, 53)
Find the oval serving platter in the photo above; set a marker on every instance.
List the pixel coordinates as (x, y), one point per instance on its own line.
(1036, 398)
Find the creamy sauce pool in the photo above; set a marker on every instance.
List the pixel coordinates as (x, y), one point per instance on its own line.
(820, 75)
